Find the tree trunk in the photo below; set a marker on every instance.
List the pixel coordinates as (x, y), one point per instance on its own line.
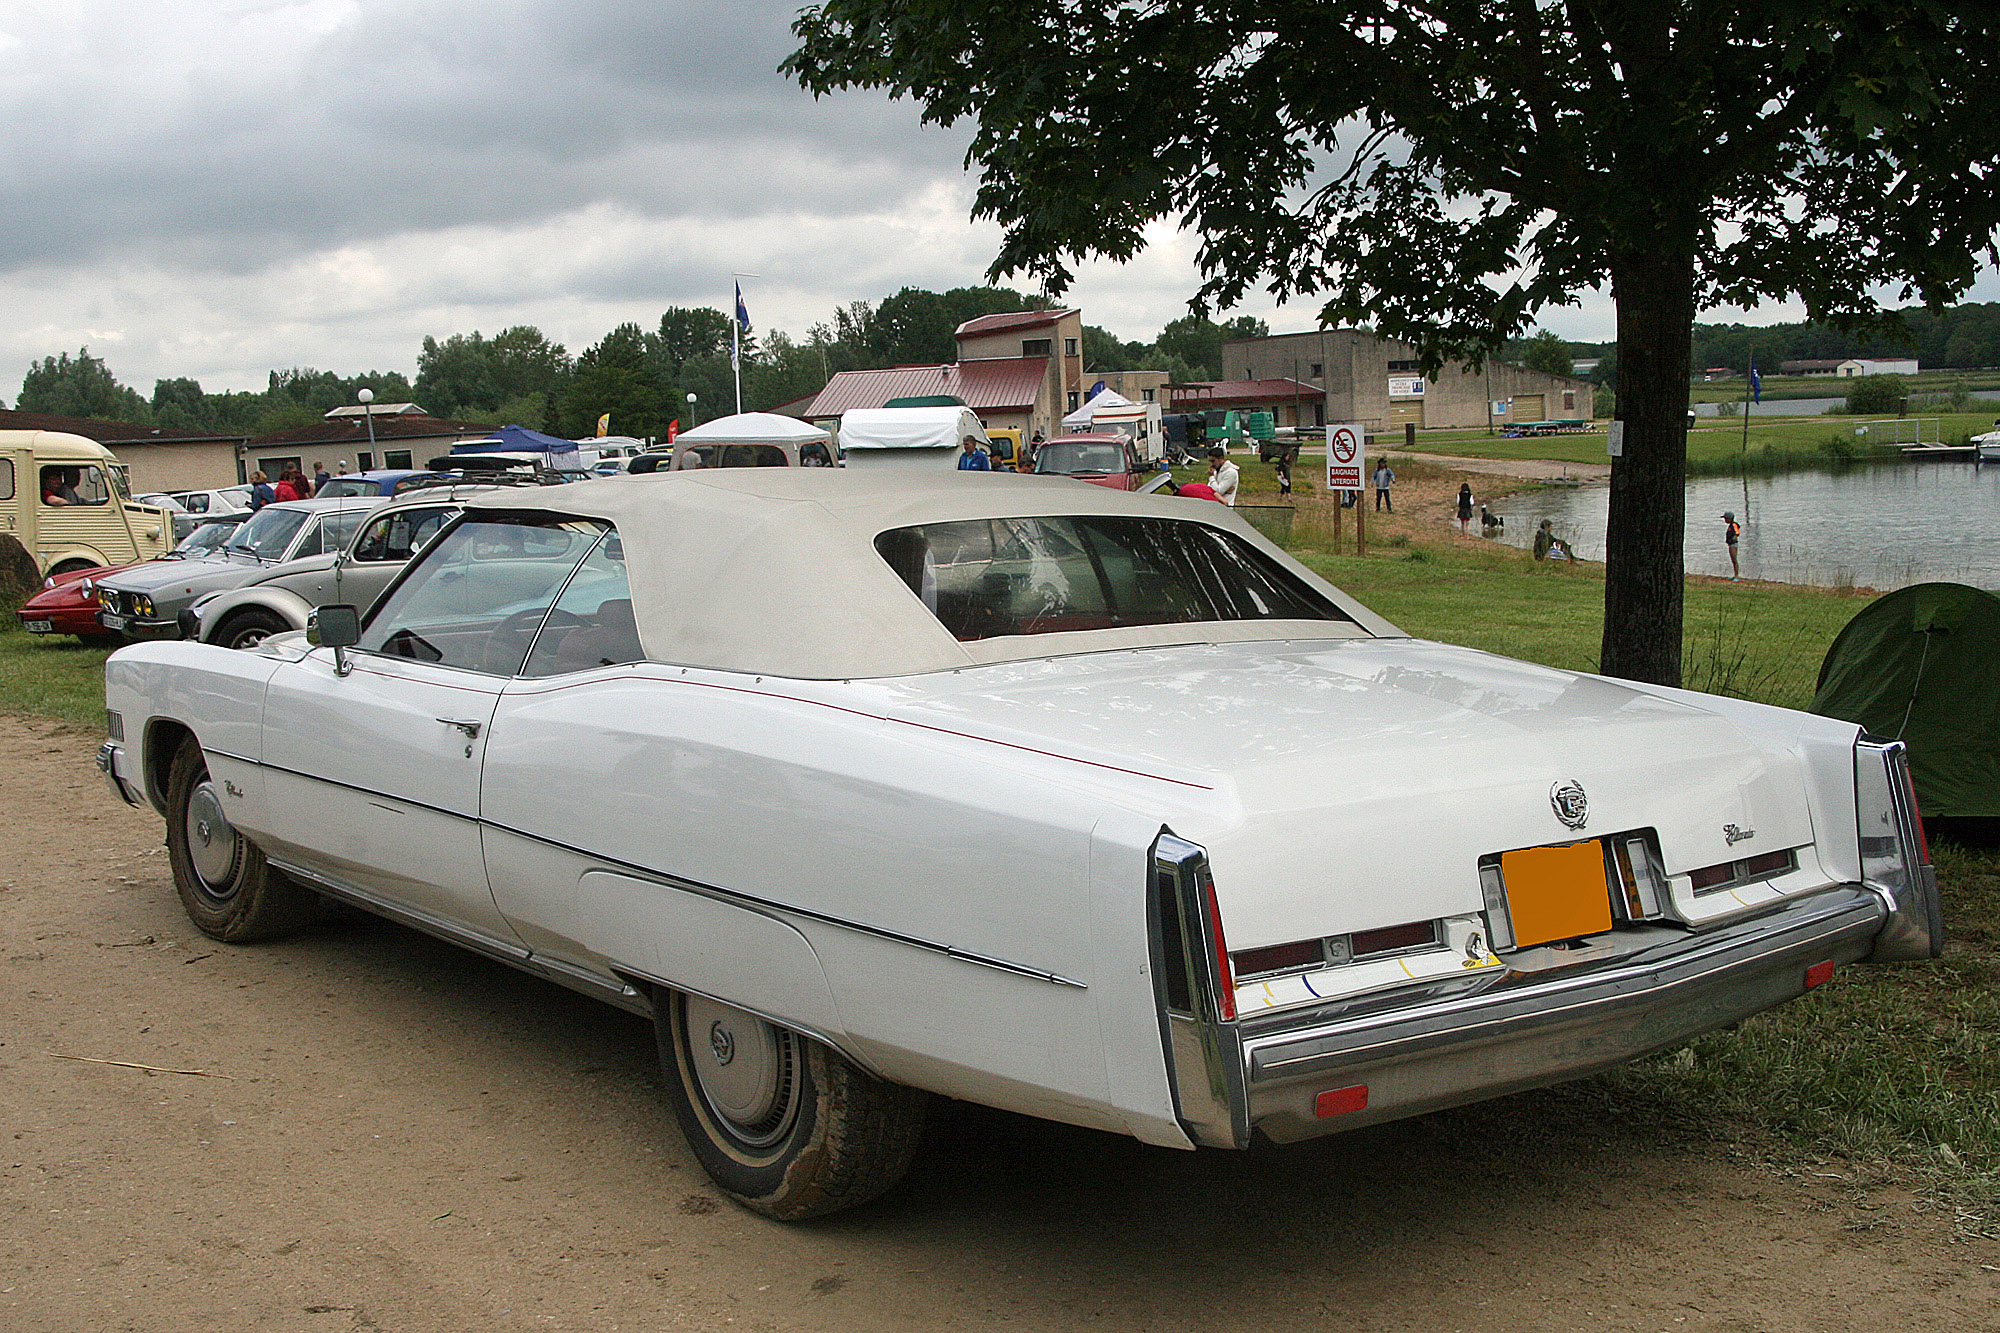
(1654, 291)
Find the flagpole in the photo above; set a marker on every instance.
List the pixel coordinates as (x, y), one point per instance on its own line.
(1753, 391)
(739, 324)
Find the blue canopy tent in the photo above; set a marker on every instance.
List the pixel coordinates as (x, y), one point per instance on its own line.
(521, 440)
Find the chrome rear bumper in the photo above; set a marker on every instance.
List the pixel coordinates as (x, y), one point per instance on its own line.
(1528, 1031)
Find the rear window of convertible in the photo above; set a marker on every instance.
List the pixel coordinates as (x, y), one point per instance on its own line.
(983, 578)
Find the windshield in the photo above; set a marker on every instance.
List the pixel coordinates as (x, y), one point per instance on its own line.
(266, 533)
(1073, 456)
(121, 478)
(207, 537)
(983, 578)
(340, 486)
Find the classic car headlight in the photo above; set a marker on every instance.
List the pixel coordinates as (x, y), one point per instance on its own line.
(143, 604)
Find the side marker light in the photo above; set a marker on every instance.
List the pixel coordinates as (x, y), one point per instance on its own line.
(1341, 1101)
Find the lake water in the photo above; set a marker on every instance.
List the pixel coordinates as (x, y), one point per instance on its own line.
(1879, 527)
(1813, 407)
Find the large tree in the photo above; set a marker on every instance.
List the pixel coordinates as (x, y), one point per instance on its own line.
(83, 387)
(1445, 169)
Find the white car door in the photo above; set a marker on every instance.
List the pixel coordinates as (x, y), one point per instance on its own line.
(379, 769)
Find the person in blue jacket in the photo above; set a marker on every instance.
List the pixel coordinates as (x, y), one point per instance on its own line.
(971, 457)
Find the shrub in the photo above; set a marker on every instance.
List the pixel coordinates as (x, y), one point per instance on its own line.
(1871, 394)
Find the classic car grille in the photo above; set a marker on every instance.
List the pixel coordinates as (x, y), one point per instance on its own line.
(115, 601)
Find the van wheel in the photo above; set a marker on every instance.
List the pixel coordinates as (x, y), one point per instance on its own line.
(785, 1125)
(227, 888)
(71, 566)
(247, 629)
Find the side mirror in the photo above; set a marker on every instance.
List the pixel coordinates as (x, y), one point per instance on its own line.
(337, 627)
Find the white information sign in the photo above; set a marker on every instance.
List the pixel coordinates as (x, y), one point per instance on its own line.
(1346, 457)
(1614, 439)
(1406, 386)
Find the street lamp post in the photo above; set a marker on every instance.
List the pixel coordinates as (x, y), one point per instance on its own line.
(367, 399)
(691, 420)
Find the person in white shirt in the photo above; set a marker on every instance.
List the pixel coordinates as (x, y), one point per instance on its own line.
(1222, 475)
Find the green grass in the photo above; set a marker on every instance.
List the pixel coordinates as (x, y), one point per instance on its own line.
(1715, 445)
(50, 677)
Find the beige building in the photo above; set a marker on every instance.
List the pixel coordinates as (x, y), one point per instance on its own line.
(1055, 334)
(1375, 381)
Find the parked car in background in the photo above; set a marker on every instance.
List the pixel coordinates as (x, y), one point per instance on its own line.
(1110, 812)
(191, 508)
(145, 601)
(284, 596)
(1102, 460)
(378, 481)
(67, 602)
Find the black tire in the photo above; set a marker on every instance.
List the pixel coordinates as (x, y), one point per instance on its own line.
(226, 886)
(795, 1130)
(250, 627)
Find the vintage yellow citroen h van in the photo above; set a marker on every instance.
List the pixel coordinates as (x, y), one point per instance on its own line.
(68, 500)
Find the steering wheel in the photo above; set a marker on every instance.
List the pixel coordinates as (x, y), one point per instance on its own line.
(509, 642)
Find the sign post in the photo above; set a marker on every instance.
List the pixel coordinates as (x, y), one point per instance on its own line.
(1347, 470)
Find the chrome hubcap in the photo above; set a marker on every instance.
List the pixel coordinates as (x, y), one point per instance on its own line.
(745, 1069)
(211, 839)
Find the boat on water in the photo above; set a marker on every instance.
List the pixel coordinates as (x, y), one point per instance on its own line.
(1989, 444)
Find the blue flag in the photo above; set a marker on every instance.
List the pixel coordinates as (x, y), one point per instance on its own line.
(1756, 383)
(742, 311)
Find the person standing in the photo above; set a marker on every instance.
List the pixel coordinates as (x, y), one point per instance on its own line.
(971, 457)
(320, 476)
(1465, 507)
(1284, 470)
(285, 490)
(1383, 480)
(261, 491)
(1223, 476)
(1730, 532)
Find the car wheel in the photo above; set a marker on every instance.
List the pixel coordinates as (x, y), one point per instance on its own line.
(785, 1125)
(225, 884)
(71, 566)
(247, 629)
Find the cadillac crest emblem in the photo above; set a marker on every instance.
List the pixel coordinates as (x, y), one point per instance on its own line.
(1572, 807)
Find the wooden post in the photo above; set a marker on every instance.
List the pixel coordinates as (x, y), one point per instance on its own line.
(1361, 504)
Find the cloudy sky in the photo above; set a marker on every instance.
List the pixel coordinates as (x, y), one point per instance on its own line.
(215, 188)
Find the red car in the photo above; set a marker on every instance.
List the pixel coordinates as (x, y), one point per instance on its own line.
(67, 603)
(1102, 460)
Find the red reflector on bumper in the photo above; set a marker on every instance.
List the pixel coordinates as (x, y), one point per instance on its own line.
(1341, 1101)
(1819, 974)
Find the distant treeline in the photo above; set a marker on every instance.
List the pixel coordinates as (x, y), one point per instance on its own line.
(640, 377)
(1961, 337)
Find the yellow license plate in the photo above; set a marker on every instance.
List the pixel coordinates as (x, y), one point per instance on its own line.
(1556, 893)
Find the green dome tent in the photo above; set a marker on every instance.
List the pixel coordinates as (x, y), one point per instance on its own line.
(1923, 665)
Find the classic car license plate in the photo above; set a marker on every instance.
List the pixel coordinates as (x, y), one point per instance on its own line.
(37, 626)
(109, 621)
(1556, 893)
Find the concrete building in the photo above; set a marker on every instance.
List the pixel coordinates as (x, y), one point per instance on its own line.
(1374, 381)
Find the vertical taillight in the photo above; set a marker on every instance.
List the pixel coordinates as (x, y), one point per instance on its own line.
(1225, 978)
(1895, 855)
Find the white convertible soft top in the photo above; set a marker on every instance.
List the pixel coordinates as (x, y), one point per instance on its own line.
(774, 571)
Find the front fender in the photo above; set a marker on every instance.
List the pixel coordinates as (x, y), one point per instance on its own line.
(69, 551)
(283, 602)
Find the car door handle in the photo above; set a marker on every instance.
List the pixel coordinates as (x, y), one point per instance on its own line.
(470, 728)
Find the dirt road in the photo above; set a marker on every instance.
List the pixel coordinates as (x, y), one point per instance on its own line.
(387, 1134)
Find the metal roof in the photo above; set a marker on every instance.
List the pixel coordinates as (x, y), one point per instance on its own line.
(999, 384)
(1025, 319)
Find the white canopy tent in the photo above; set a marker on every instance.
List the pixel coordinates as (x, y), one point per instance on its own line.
(1103, 407)
(755, 428)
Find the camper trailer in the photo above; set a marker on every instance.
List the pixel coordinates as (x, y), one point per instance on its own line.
(68, 501)
(909, 437)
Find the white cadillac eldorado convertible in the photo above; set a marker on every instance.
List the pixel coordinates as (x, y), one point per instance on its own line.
(1090, 806)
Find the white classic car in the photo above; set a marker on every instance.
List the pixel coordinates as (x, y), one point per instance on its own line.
(1086, 805)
